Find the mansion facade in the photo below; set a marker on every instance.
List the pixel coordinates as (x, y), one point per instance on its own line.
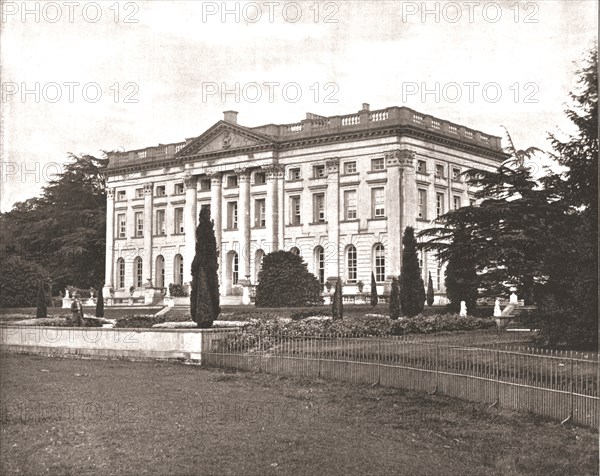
(337, 190)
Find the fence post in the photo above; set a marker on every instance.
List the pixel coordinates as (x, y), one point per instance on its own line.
(378, 361)
(437, 367)
(497, 362)
(571, 390)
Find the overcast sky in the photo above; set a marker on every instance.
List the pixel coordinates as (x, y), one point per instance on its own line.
(107, 75)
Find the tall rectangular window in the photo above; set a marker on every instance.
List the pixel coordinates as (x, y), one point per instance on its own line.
(139, 224)
(160, 222)
(319, 208)
(456, 202)
(318, 171)
(232, 215)
(295, 173)
(378, 202)
(295, 212)
(456, 174)
(439, 171)
(422, 211)
(260, 212)
(377, 165)
(178, 220)
(160, 191)
(121, 226)
(350, 204)
(139, 193)
(439, 204)
(178, 189)
(421, 166)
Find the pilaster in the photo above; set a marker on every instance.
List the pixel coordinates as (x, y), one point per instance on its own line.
(147, 256)
(189, 222)
(332, 265)
(110, 240)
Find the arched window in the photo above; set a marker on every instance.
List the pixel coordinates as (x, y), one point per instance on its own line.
(351, 258)
(138, 272)
(120, 273)
(319, 257)
(296, 251)
(160, 272)
(379, 260)
(178, 269)
(258, 257)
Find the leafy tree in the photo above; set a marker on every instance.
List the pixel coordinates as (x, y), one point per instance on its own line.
(395, 300)
(374, 297)
(284, 281)
(63, 230)
(99, 303)
(42, 310)
(337, 305)
(412, 288)
(430, 293)
(18, 280)
(204, 295)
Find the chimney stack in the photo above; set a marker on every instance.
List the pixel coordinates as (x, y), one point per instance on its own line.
(230, 116)
(366, 106)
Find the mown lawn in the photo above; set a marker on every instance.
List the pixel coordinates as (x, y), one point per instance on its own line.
(79, 416)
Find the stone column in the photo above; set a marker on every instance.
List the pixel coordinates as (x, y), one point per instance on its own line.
(274, 173)
(409, 189)
(281, 208)
(244, 230)
(189, 221)
(147, 256)
(110, 240)
(332, 203)
(216, 214)
(393, 210)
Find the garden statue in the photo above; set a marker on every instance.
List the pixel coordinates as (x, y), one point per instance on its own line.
(497, 311)
(513, 299)
(463, 309)
(77, 311)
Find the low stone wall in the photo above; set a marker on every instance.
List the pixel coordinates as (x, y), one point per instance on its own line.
(112, 343)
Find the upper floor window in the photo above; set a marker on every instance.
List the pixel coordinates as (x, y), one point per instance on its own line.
(178, 215)
(295, 212)
(472, 202)
(377, 164)
(139, 193)
(350, 167)
(422, 209)
(160, 222)
(232, 181)
(294, 173)
(350, 204)
(439, 205)
(421, 166)
(260, 212)
(455, 174)
(178, 190)
(259, 178)
(121, 195)
(139, 224)
(232, 215)
(318, 171)
(121, 226)
(439, 171)
(457, 204)
(319, 208)
(378, 202)
(161, 191)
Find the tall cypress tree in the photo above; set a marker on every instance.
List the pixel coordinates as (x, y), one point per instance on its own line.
(462, 279)
(412, 288)
(204, 295)
(100, 303)
(430, 293)
(374, 297)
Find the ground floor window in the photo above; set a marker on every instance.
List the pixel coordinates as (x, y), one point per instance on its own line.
(379, 255)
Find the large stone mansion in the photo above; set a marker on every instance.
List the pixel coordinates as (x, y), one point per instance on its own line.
(338, 190)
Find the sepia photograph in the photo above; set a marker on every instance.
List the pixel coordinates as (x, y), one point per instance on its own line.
(312, 237)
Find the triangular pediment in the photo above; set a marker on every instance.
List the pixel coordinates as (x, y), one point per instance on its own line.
(223, 137)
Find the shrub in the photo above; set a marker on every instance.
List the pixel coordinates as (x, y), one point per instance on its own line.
(19, 281)
(374, 297)
(412, 289)
(395, 300)
(337, 306)
(285, 281)
(177, 290)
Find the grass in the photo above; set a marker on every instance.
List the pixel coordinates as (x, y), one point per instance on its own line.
(170, 418)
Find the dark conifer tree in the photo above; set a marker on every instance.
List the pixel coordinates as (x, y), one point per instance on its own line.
(430, 293)
(412, 288)
(374, 297)
(100, 303)
(395, 300)
(337, 306)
